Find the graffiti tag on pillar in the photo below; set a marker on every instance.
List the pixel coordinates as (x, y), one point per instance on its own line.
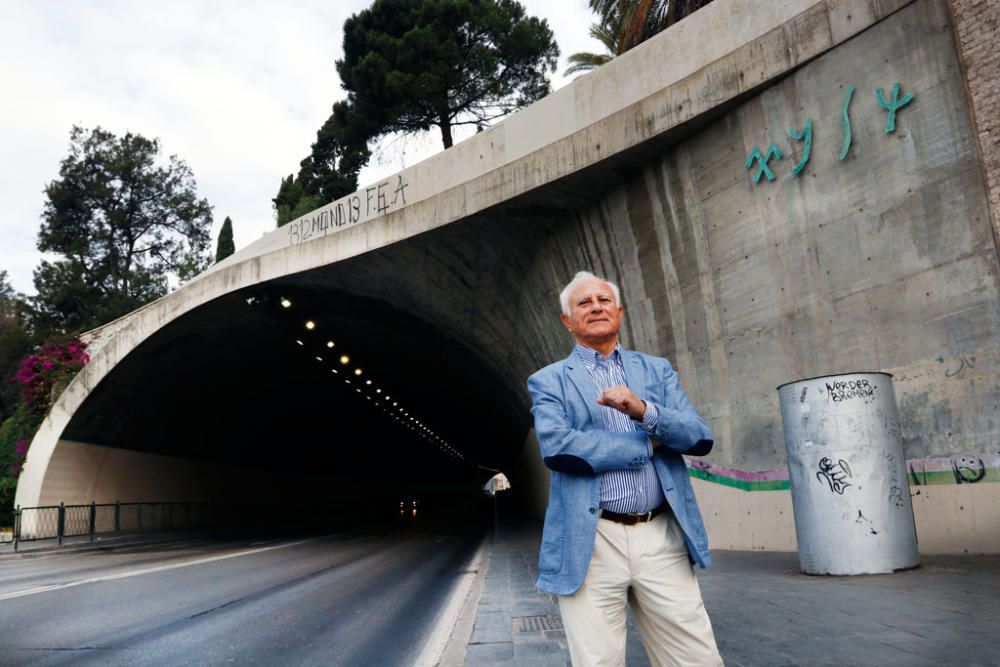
(844, 390)
(891, 105)
(834, 474)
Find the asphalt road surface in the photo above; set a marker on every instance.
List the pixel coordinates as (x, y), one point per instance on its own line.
(346, 599)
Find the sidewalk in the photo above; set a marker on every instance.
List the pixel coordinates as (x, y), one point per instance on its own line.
(766, 613)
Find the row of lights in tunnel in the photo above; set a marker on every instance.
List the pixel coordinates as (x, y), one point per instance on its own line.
(379, 398)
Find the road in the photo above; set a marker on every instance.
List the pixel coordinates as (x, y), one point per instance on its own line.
(346, 599)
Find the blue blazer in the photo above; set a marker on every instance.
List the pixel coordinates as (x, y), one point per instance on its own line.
(576, 448)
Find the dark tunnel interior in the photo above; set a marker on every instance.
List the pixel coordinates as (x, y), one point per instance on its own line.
(384, 415)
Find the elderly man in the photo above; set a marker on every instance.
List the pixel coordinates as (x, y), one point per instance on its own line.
(622, 526)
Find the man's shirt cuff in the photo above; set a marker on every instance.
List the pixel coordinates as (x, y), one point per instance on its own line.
(651, 418)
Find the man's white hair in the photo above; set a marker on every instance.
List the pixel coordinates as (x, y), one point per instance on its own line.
(578, 278)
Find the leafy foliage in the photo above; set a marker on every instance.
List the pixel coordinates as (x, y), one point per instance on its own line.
(42, 377)
(624, 24)
(410, 65)
(225, 247)
(16, 340)
(331, 170)
(121, 222)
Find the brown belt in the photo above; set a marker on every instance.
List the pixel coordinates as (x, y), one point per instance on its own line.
(632, 519)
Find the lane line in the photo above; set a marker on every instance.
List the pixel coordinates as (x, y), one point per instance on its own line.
(434, 648)
(152, 570)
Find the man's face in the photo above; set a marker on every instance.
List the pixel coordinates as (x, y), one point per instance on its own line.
(594, 317)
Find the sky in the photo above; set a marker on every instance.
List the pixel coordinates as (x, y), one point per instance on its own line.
(236, 89)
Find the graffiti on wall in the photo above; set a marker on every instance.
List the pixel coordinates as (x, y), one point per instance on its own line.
(805, 135)
(972, 468)
(363, 205)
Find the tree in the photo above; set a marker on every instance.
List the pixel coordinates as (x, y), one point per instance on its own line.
(331, 170)
(122, 222)
(410, 65)
(624, 24)
(16, 341)
(608, 32)
(225, 247)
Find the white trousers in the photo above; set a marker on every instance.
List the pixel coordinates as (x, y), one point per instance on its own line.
(646, 567)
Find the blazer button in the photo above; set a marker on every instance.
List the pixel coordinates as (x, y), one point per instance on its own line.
(593, 510)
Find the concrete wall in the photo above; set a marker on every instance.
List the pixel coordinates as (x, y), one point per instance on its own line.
(885, 260)
(82, 473)
(977, 25)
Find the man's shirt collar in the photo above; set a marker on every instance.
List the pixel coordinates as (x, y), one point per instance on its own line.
(591, 358)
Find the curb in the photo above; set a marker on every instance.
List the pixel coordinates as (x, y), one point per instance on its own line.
(446, 646)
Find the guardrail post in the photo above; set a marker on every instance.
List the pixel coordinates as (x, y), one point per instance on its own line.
(118, 516)
(93, 520)
(61, 522)
(17, 525)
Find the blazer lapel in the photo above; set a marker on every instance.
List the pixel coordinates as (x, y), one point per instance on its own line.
(585, 385)
(634, 377)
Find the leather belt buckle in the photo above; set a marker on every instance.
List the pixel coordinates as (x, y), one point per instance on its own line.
(632, 519)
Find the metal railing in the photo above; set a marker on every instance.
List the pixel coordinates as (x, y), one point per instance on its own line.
(58, 522)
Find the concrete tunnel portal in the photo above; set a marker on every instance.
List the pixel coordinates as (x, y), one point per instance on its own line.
(247, 391)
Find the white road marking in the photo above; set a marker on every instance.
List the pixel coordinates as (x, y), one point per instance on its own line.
(436, 643)
(151, 570)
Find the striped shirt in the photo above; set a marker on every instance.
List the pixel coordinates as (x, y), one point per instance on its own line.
(626, 491)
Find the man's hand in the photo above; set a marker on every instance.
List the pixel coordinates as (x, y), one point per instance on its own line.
(623, 400)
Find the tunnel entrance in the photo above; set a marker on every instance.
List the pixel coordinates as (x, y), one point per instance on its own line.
(392, 376)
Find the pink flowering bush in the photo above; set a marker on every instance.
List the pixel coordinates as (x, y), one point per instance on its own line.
(42, 377)
(49, 371)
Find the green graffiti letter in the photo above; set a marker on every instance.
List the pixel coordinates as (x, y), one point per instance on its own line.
(895, 105)
(806, 134)
(845, 120)
(772, 152)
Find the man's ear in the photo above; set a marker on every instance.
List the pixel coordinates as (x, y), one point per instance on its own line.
(565, 320)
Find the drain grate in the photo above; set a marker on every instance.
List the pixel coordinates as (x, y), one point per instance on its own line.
(537, 623)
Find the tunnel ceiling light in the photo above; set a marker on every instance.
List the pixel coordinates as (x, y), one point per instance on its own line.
(333, 370)
(319, 358)
(344, 359)
(285, 303)
(368, 382)
(310, 325)
(357, 371)
(347, 381)
(329, 343)
(379, 391)
(299, 342)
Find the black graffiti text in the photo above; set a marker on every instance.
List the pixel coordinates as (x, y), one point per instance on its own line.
(848, 389)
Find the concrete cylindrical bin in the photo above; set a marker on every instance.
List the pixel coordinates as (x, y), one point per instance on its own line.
(850, 494)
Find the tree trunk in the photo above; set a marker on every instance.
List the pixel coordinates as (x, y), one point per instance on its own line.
(445, 126)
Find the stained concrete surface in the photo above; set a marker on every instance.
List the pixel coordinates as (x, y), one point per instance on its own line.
(766, 613)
